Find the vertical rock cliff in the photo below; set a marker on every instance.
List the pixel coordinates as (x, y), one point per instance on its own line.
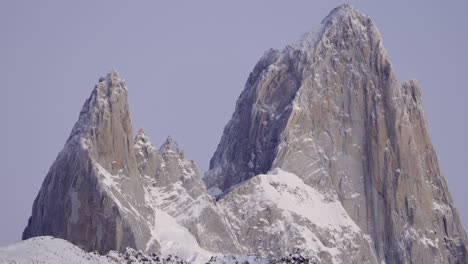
(330, 110)
(81, 199)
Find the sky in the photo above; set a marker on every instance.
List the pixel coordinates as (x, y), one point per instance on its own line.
(186, 63)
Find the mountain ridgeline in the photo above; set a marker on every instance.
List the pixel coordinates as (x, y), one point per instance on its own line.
(326, 154)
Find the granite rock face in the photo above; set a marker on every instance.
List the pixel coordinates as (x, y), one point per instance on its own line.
(81, 198)
(330, 110)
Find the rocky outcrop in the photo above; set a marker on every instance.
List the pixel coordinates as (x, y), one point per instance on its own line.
(330, 110)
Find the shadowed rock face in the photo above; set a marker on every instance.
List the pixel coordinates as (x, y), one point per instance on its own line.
(330, 110)
(81, 199)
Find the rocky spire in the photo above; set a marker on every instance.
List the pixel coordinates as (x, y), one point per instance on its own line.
(170, 144)
(330, 110)
(105, 124)
(148, 157)
(84, 197)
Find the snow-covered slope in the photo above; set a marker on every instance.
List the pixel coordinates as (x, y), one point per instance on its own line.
(49, 250)
(277, 213)
(187, 220)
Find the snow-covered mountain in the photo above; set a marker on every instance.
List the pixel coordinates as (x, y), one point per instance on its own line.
(187, 221)
(93, 195)
(50, 250)
(330, 110)
(327, 159)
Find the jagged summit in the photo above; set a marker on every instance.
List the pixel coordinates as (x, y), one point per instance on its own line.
(110, 91)
(143, 144)
(83, 188)
(344, 34)
(141, 132)
(111, 75)
(343, 11)
(141, 136)
(170, 144)
(342, 14)
(343, 18)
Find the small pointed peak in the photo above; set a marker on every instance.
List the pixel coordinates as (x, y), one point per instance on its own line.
(170, 141)
(113, 79)
(141, 137)
(110, 85)
(141, 131)
(344, 8)
(170, 144)
(143, 144)
(113, 74)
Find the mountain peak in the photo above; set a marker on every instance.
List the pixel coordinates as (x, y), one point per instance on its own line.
(141, 135)
(346, 7)
(109, 96)
(111, 74)
(112, 81)
(330, 110)
(342, 20)
(170, 144)
(87, 178)
(141, 138)
(344, 10)
(346, 16)
(141, 131)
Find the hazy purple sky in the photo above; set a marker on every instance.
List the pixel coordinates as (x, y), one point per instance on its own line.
(186, 63)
